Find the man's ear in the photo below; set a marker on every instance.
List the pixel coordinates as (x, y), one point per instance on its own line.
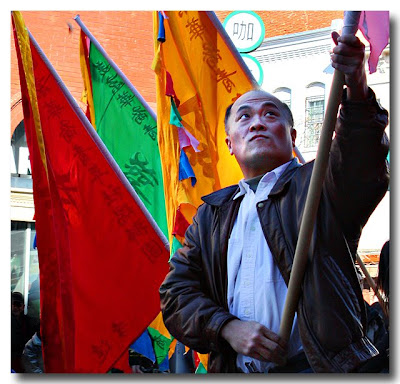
(293, 134)
(228, 143)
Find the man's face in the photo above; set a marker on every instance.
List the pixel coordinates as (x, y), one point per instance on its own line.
(17, 307)
(259, 133)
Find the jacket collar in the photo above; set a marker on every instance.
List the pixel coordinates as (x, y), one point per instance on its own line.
(285, 177)
(221, 196)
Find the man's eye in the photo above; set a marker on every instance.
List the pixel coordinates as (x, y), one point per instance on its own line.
(270, 113)
(244, 116)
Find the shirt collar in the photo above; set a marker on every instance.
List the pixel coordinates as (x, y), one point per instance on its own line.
(244, 188)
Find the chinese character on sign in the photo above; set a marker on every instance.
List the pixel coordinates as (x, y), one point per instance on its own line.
(246, 30)
(243, 31)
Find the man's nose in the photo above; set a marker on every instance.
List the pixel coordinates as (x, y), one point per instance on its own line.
(257, 124)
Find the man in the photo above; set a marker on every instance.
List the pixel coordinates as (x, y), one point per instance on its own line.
(32, 356)
(226, 288)
(22, 329)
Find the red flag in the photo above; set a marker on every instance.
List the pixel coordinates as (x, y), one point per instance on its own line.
(374, 25)
(101, 259)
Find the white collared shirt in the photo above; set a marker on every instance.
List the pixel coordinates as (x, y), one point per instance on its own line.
(256, 289)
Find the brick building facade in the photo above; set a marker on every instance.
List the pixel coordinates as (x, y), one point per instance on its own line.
(127, 37)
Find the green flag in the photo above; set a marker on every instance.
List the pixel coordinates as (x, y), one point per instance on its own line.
(130, 134)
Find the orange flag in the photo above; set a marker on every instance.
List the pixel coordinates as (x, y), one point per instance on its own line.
(101, 256)
(199, 74)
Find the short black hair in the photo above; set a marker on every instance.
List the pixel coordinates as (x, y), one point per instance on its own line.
(227, 114)
(383, 269)
(289, 114)
(285, 107)
(17, 296)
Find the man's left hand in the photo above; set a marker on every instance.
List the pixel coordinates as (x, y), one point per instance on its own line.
(349, 57)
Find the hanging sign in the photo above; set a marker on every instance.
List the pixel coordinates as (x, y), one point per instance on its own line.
(246, 30)
(254, 67)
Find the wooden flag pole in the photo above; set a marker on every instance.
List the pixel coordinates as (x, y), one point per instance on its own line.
(372, 284)
(299, 155)
(314, 192)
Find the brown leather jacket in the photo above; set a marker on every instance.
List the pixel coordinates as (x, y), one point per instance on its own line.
(331, 312)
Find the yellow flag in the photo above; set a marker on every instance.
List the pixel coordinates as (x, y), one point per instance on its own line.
(87, 96)
(26, 59)
(200, 73)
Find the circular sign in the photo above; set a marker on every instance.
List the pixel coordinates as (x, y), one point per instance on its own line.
(246, 30)
(254, 67)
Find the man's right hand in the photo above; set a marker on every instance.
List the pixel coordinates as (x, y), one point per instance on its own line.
(252, 339)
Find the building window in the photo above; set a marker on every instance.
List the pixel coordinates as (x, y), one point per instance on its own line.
(25, 265)
(314, 113)
(21, 176)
